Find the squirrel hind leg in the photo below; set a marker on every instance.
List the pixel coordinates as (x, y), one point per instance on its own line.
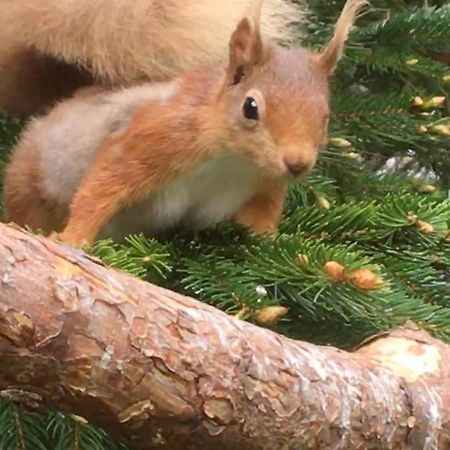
(24, 198)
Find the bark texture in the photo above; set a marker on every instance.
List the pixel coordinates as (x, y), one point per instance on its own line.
(159, 370)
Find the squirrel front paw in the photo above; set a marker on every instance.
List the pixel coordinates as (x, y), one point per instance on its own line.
(269, 232)
(53, 236)
(264, 228)
(69, 239)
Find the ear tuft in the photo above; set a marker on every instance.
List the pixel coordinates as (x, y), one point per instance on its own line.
(246, 48)
(333, 52)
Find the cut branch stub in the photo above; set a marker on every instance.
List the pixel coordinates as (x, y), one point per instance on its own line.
(159, 370)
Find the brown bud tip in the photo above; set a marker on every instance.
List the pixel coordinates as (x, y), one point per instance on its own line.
(242, 313)
(340, 142)
(425, 227)
(411, 218)
(303, 259)
(417, 101)
(422, 129)
(442, 130)
(427, 188)
(335, 271)
(270, 315)
(323, 202)
(365, 279)
(79, 419)
(435, 102)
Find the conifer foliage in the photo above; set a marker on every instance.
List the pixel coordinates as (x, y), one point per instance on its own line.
(364, 244)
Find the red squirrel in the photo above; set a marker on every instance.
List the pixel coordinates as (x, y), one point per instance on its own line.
(219, 142)
(49, 48)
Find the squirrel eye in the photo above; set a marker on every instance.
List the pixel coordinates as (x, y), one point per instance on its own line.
(250, 108)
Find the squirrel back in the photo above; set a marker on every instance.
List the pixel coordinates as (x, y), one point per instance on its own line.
(51, 47)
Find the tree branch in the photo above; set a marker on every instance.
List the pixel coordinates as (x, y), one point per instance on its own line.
(159, 370)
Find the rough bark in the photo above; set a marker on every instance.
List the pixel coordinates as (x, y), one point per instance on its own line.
(159, 370)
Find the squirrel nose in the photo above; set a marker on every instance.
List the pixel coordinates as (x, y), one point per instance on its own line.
(296, 169)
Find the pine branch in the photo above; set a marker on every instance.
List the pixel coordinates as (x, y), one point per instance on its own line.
(428, 24)
(131, 357)
(142, 257)
(19, 430)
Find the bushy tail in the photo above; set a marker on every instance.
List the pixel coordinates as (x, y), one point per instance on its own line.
(121, 41)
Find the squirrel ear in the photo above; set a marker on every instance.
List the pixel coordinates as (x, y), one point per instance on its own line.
(329, 58)
(246, 47)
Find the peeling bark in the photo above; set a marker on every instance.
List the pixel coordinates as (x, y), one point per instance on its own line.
(159, 370)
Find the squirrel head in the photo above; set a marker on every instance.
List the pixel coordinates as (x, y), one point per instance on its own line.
(275, 101)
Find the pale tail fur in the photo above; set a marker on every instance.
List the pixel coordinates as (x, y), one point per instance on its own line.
(121, 41)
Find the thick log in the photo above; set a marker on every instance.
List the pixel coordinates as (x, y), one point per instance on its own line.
(159, 370)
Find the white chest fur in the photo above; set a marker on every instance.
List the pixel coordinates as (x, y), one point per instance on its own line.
(213, 193)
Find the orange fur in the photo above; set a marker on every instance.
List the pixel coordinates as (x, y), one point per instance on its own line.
(116, 41)
(148, 170)
(144, 146)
